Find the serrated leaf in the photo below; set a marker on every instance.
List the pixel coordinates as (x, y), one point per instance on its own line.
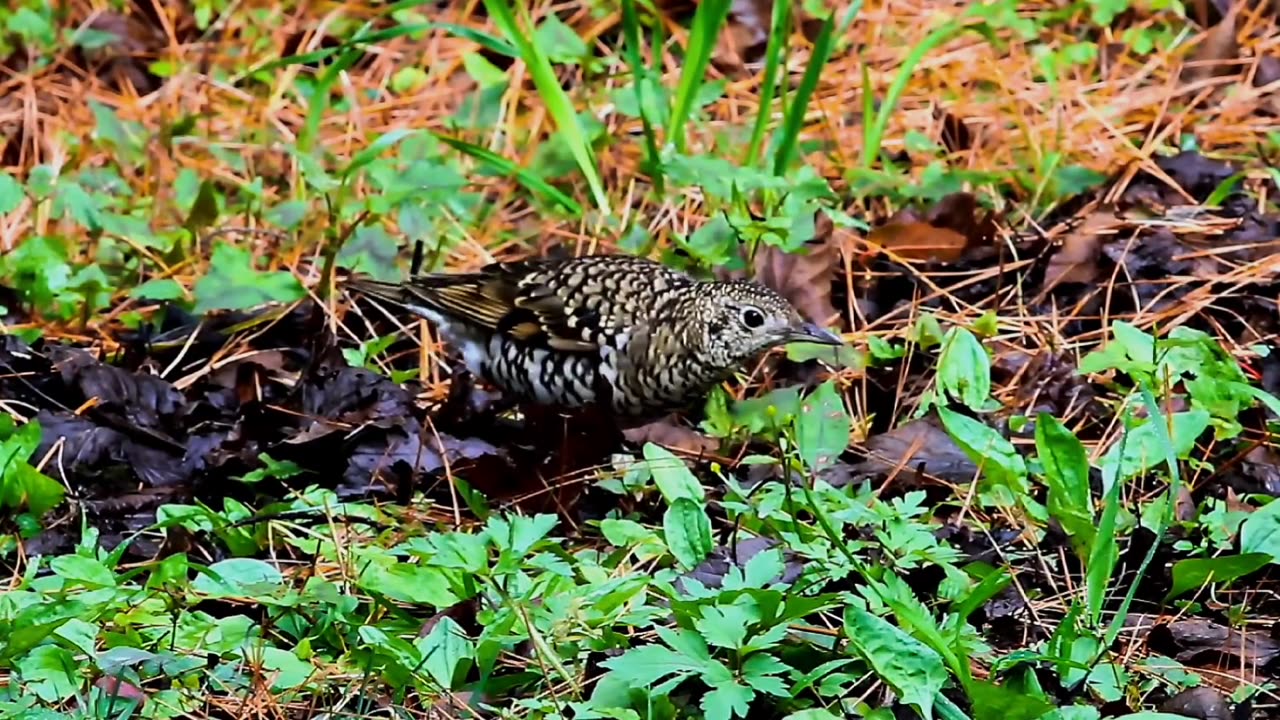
(232, 283)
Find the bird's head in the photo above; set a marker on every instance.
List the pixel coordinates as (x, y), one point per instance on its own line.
(738, 320)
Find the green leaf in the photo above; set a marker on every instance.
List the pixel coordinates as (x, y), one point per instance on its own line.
(558, 41)
(242, 577)
(1066, 472)
(997, 702)
(647, 664)
(11, 193)
(672, 476)
(725, 626)
(822, 428)
(1260, 532)
(914, 671)
(232, 283)
(84, 571)
(204, 211)
(727, 700)
(1193, 573)
(1143, 447)
(995, 455)
(446, 653)
(964, 370)
(159, 289)
(416, 584)
(687, 530)
(51, 672)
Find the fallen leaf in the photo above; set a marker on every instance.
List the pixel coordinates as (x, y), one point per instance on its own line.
(951, 227)
(1201, 702)
(805, 279)
(145, 400)
(921, 446)
(1076, 260)
(670, 434)
(1215, 54)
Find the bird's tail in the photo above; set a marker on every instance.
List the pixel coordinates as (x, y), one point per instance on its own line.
(391, 292)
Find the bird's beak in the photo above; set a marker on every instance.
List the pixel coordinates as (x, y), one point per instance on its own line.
(811, 333)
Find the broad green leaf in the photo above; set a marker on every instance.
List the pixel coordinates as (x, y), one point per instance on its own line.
(727, 700)
(995, 455)
(446, 652)
(647, 664)
(914, 671)
(1142, 447)
(158, 289)
(80, 570)
(671, 475)
(284, 668)
(233, 283)
(725, 625)
(51, 672)
(1066, 472)
(822, 428)
(997, 702)
(244, 577)
(687, 529)
(1193, 573)
(1260, 532)
(417, 584)
(964, 370)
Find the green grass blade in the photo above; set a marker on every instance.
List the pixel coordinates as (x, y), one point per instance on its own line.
(639, 74)
(320, 98)
(774, 54)
(793, 121)
(873, 129)
(707, 20)
(507, 167)
(557, 100)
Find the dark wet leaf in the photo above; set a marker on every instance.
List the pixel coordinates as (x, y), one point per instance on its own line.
(400, 451)
(145, 400)
(670, 434)
(1201, 702)
(918, 446)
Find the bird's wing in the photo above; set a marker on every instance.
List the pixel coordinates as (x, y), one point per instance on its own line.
(507, 298)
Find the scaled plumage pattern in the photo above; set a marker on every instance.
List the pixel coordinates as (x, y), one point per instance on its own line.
(628, 334)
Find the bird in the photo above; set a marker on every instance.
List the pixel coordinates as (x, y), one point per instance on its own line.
(614, 331)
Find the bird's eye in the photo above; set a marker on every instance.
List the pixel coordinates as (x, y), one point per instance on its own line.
(752, 318)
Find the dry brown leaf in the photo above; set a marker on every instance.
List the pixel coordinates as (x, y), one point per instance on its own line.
(919, 241)
(1214, 55)
(1076, 261)
(671, 435)
(952, 226)
(918, 445)
(804, 279)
